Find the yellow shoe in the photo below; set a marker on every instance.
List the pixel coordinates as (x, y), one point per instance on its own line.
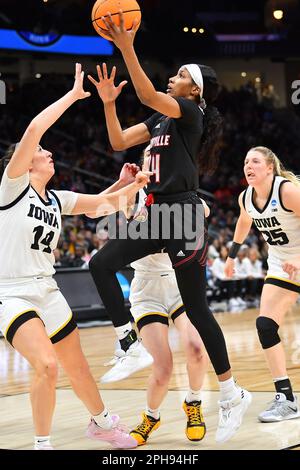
(143, 430)
(195, 426)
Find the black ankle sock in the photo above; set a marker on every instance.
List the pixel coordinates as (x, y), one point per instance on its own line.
(128, 340)
(284, 386)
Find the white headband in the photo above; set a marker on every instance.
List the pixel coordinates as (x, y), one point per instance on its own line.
(196, 74)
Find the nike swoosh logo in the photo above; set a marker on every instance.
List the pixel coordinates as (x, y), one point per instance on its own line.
(31, 197)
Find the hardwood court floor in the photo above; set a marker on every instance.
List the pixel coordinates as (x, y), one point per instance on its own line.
(127, 397)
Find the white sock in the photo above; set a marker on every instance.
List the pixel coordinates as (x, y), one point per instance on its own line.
(122, 331)
(227, 389)
(104, 419)
(193, 395)
(152, 413)
(41, 441)
(278, 379)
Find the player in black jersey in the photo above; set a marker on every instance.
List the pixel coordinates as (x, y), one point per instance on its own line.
(184, 135)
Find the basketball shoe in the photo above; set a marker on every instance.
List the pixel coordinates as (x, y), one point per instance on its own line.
(117, 436)
(195, 426)
(280, 409)
(231, 414)
(135, 359)
(143, 430)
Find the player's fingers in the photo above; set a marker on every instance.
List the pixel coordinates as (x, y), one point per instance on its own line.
(113, 73)
(104, 67)
(99, 72)
(91, 79)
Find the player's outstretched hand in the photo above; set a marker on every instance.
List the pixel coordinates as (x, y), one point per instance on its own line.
(106, 88)
(77, 89)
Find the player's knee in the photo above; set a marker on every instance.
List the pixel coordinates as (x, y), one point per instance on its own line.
(196, 353)
(267, 330)
(47, 367)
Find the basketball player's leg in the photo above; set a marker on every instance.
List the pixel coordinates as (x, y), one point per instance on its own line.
(104, 266)
(103, 426)
(32, 342)
(64, 335)
(155, 338)
(198, 312)
(144, 297)
(196, 356)
(275, 303)
(197, 363)
(76, 367)
(192, 286)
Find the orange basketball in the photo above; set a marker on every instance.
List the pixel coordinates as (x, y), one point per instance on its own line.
(130, 9)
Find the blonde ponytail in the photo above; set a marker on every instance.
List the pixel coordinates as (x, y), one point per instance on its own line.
(278, 167)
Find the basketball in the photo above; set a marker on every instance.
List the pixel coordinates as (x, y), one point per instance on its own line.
(130, 9)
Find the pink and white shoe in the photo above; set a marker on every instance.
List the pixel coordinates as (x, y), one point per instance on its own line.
(117, 436)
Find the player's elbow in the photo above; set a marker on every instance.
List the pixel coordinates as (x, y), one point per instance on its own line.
(118, 147)
(119, 144)
(32, 128)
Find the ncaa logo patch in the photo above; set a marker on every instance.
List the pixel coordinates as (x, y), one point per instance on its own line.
(273, 203)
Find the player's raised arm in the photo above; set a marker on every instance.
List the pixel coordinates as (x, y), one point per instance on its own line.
(108, 93)
(22, 158)
(144, 88)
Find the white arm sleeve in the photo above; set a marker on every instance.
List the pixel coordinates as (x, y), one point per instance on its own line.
(11, 188)
(67, 201)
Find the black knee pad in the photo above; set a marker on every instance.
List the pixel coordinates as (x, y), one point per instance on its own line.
(267, 330)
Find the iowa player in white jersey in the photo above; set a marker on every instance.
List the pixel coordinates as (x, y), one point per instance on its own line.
(34, 316)
(271, 201)
(155, 301)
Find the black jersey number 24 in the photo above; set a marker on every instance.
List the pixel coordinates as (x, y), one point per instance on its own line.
(39, 231)
(276, 237)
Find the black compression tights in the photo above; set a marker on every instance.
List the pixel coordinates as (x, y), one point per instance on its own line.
(191, 282)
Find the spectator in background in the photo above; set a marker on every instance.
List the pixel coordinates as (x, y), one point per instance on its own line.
(213, 250)
(228, 287)
(99, 239)
(242, 268)
(78, 259)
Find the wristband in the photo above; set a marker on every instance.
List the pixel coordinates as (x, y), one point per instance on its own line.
(234, 249)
